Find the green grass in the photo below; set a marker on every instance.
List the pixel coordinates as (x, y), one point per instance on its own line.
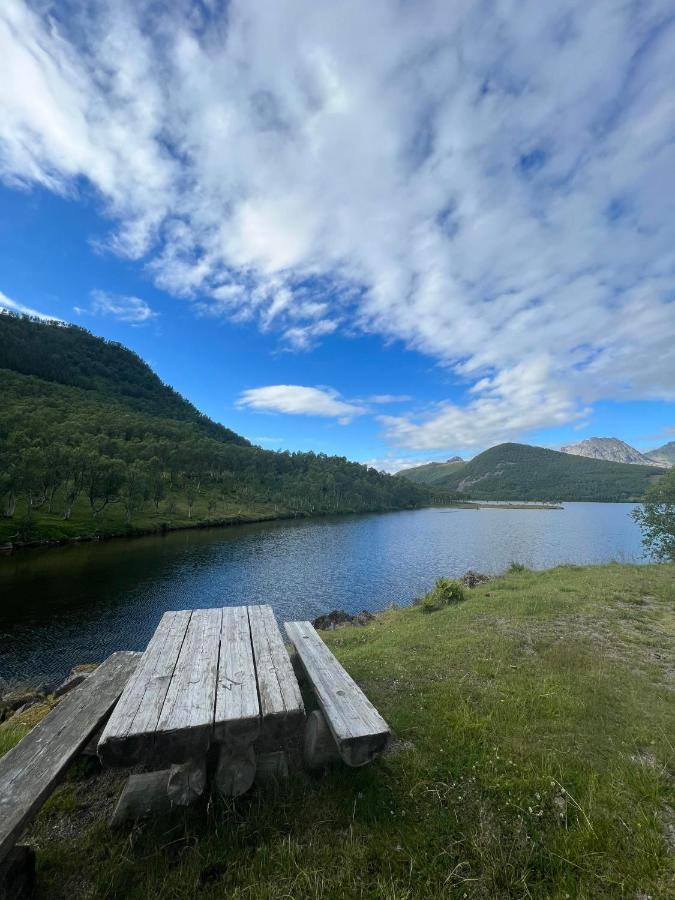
(532, 758)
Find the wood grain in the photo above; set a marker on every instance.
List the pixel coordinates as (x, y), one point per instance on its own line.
(359, 730)
(30, 771)
(281, 707)
(130, 733)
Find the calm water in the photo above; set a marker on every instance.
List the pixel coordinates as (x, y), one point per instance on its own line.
(69, 605)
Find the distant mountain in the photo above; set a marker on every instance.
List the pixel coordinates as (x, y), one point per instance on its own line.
(521, 472)
(433, 474)
(665, 454)
(612, 450)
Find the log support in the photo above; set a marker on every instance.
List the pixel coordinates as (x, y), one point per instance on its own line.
(319, 747)
(187, 782)
(17, 873)
(235, 769)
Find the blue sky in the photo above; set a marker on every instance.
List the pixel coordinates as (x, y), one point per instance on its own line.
(391, 231)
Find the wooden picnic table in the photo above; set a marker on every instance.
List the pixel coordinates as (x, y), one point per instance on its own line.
(211, 682)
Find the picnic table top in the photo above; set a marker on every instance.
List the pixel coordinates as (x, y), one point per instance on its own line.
(207, 675)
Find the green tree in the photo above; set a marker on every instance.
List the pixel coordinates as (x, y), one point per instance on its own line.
(656, 517)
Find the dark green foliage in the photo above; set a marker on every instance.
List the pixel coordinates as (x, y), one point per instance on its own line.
(656, 518)
(521, 472)
(67, 354)
(517, 567)
(86, 425)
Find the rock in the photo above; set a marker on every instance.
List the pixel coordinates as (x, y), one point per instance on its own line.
(470, 579)
(338, 618)
(77, 676)
(17, 701)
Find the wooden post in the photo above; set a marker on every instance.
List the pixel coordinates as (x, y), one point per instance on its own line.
(142, 796)
(319, 747)
(186, 782)
(17, 873)
(271, 767)
(235, 771)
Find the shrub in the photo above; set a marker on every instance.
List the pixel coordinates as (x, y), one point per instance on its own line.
(449, 590)
(517, 567)
(429, 603)
(444, 592)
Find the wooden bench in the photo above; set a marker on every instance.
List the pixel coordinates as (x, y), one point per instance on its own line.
(348, 722)
(30, 771)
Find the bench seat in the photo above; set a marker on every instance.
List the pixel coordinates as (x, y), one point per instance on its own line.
(359, 731)
(30, 771)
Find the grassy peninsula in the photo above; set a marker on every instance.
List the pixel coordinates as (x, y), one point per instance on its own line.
(92, 443)
(532, 757)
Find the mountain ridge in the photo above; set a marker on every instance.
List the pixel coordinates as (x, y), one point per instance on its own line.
(611, 449)
(522, 472)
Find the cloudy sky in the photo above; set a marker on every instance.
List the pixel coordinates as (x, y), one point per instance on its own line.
(391, 230)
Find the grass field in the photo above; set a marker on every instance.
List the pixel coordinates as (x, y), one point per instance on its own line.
(532, 757)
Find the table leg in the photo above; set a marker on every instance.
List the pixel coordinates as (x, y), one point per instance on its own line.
(235, 770)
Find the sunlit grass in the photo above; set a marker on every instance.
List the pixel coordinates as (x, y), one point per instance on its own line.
(532, 758)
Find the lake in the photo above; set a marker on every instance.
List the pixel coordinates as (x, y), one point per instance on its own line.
(74, 604)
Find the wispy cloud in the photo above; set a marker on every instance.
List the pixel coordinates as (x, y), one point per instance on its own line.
(122, 307)
(393, 464)
(488, 189)
(389, 398)
(12, 306)
(296, 400)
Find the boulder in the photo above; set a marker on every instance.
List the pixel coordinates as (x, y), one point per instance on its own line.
(338, 618)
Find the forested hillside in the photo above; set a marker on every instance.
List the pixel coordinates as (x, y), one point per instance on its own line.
(433, 473)
(522, 472)
(92, 442)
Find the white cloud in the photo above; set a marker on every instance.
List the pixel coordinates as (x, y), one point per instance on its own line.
(124, 308)
(296, 400)
(393, 464)
(7, 305)
(487, 188)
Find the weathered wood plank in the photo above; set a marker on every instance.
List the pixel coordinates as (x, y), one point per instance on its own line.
(31, 770)
(281, 707)
(185, 725)
(359, 730)
(237, 712)
(130, 733)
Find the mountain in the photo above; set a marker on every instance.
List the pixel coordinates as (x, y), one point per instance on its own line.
(612, 450)
(93, 443)
(68, 355)
(433, 474)
(665, 454)
(522, 472)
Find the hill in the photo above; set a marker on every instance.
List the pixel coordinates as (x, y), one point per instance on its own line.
(665, 454)
(93, 443)
(612, 450)
(522, 472)
(532, 756)
(68, 355)
(433, 474)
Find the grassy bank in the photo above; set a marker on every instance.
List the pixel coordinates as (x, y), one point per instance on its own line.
(532, 758)
(208, 510)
